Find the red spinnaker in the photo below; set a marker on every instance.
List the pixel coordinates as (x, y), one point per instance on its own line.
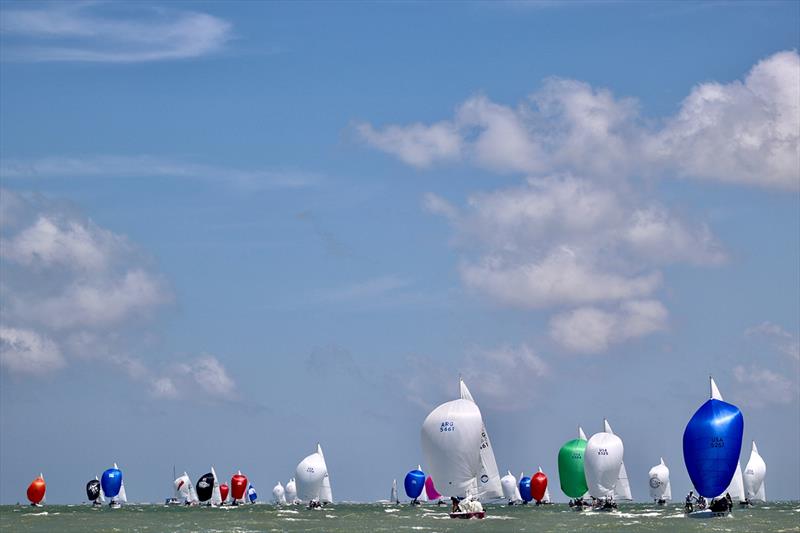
(430, 490)
(238, 486)
(538, 486)
(223, 491)
(36, 490)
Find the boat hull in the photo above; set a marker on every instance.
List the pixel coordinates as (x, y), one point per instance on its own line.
(478, 514)
(707, 513)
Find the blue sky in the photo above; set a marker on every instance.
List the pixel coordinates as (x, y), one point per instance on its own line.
(231, 230)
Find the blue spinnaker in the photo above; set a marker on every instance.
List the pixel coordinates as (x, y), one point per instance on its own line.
(251, 494)
(414, 483)
(525, 489)
(111, 482)
(711, 445)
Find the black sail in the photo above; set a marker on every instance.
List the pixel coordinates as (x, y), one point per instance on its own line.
(205, 486)
(93, 490)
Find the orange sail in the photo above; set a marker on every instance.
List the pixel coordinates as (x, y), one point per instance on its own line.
(36, 490)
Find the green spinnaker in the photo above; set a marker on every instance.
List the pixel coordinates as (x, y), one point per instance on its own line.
(570, 468)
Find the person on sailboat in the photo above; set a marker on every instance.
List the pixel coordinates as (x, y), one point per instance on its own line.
(690, 499)
(454, 501)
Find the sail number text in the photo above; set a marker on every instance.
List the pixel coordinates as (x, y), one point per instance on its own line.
(447, 426)
(602, 451)
(717, 442)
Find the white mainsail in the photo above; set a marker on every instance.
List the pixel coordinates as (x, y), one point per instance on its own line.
(309, 474)
(736, 487)
(291, 491)
(546, 497)
(510, 487)
(216, 495)
(121, 496)
(516, 490)
(488, 479)
(451, 439)
(754, 474)
(602, 463)
(622, 490)
(325, 493)
(393, 497)
(102, 496)
(659, 482)
(279, 494)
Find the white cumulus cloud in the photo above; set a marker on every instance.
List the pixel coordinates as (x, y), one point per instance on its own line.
(25, 351)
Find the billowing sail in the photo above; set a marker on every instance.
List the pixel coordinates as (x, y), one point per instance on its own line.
(216, 493)
(712, 441)
(36, 490)
(183, 486)
(252, 495)
(602, 463)
(451, 439)
(509, 485)
(309, 474)
(488, 479)
(238, 487)
(291, 491)
(659, 482)
(205, 487)
(571, 467)
(393, 496)
(754, 474)
(223, 492)
(525, 488)
(93, 490)
(279, 494)
(111, 482)
(538, 485)
(414, 483)
(430, 489)
(736, 487)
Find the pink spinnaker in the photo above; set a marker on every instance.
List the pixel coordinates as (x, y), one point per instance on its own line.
(430, 490)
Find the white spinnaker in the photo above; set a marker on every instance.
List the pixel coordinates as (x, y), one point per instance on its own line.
(509, 485)
(182, 484)
(602, 463)
(216, 495)
(121, 496)
(736, 487)
(659, 482)
(393, 497)
(291, 491)
(488, 478)
(754, 474)
(451, 439)
(279, 494)
(309, 475)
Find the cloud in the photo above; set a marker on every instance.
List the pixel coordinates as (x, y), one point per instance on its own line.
(496, 376)
(210, 376)
(24, 351)
(416, 144)
(110, 33)
(147, 166)
(591, 330)
(761, 387)
(779, 338)
(741, 132)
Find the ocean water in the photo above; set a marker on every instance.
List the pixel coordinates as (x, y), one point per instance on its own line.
(774, 516)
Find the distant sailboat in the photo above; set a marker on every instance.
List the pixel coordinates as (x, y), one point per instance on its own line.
(393, 498)
(279, 494)
(712, 442)
(224, 490)
(216, 492)
(546, 498)
(660, 489)
(252, 495)
(239, 488)
(603, 466)
(754, 474)
(525, 488)
(539, 492)
(93, 492)
(414, 484)
(430, 490)
(205, 488)
(173, 500)
(291, 492)
(310, 474)
(111, 483)
(571, 471)
(36, 491)
(510, 488)
(185, 489)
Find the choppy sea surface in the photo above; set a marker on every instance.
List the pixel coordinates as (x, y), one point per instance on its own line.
(774, 516)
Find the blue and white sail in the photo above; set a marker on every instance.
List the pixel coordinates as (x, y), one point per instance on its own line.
(712, 442)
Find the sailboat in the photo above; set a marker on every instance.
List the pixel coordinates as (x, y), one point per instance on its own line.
(539, 492)
(451, 437)
(239, 488)
(546, 499)
(604, 468)
(488, 479)
(525, 488)
(224, 489)
(414, 483)
(279, 494)
(93, 491)
(311, 474)
(216, 492)
(112, 486)
(430, 491)
(660, 489)
(736, 487)
(712, 442)
(571, 471)
(173, 500)
(205, 488)
(291, 492)
(36, 491)
(185, 489)
(754, 474)
(510, 488)
(252, 496)
(393, 498)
